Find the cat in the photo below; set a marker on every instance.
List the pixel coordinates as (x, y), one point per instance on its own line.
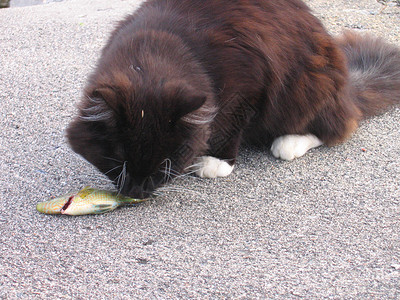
(181, 84)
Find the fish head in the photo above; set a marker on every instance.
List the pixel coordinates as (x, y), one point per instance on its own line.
(89, 201)
(54, 206)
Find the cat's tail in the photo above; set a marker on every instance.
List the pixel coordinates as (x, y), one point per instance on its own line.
(374, 71)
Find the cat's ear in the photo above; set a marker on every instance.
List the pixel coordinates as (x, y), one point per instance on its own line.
(109, 95)
(189, 103)
(184, 98)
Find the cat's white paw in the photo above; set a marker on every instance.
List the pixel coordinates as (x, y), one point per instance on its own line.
(211, 167)
(288, 147)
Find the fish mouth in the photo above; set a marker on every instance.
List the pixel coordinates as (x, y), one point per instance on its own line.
(67, 204)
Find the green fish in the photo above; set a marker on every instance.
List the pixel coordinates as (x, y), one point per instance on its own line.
(86, 201)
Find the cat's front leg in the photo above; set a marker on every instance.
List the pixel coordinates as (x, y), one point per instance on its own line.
(227, 130)
(212, 167)
(289, 147)
(222, 158)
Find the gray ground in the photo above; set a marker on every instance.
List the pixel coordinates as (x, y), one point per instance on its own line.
(324, 226)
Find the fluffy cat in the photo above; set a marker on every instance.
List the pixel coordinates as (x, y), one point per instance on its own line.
(183, 83)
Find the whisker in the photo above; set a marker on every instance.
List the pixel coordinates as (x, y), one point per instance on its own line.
(123, 173)
(156, 194)
(169, 168)
(180, 175)
(196, 165)
(169, 172)
(93, 177)
(113, 159)
(119, 177)
(120, 166)
(152, 181)
(188, 174)
(165, 170)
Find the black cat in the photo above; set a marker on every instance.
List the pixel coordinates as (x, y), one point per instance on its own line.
(181, 83)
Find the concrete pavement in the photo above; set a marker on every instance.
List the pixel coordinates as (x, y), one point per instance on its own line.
(323, 226)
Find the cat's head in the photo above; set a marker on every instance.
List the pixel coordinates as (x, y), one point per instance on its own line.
(141, 136)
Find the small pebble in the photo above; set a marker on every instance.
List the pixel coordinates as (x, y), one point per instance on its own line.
(396, 266)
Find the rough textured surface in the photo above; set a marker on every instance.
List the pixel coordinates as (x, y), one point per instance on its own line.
(323, 226)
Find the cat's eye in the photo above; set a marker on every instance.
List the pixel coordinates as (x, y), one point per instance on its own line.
(171, 124)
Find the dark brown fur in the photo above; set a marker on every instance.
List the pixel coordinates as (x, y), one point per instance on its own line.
(175, 75)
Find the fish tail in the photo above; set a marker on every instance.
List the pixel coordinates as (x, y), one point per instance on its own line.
(127, 201)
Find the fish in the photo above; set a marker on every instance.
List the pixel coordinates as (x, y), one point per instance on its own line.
(84, 202)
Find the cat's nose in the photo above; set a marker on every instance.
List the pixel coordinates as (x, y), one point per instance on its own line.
(137, 192)
(131, 188)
